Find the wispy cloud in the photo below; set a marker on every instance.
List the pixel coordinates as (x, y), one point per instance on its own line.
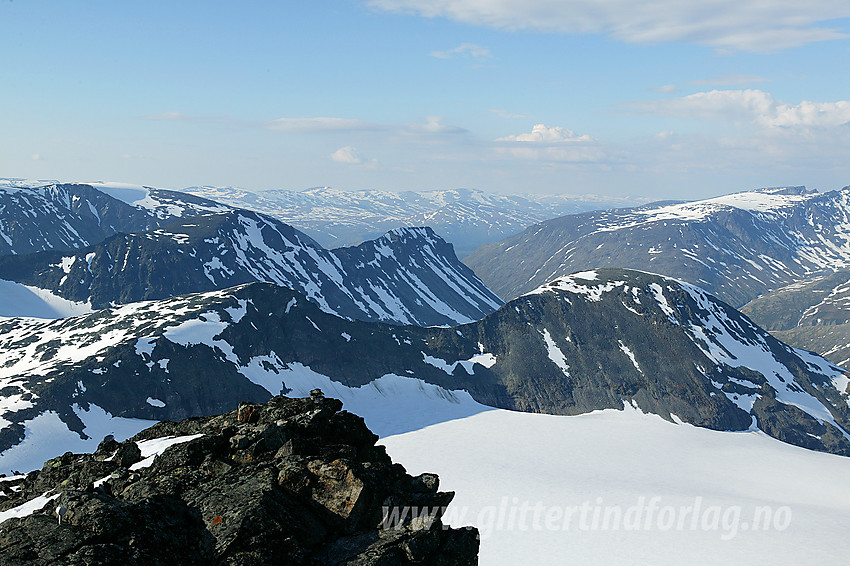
(665, 89)
(321, 124)
(463, 50)
(725, 24)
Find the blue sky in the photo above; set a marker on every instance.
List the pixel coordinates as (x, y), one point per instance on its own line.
(659, 98)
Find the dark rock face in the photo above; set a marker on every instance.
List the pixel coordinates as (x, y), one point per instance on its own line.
(292, 481)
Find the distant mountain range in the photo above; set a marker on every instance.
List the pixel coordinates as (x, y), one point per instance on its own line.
(464, 217)
(590, 341)
(738, 246)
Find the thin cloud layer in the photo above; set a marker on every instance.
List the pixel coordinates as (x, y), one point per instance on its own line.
(322, 124)
(750, 106)
(730, 80)
(765, 26)
(435, 125)
(168, 116)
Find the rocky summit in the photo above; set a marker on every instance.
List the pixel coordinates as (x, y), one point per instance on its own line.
(291, 481)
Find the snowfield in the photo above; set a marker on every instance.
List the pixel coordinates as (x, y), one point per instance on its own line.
(515, 474)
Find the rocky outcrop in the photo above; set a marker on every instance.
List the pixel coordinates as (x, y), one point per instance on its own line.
(292, 481)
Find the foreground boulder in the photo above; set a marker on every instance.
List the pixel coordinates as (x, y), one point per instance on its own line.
(291, 481)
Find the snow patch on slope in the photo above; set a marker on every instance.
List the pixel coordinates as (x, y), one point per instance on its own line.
(581, 283)
(391, 404)
(555, 354)
(47, 436)
(485, 359)
(18, 300)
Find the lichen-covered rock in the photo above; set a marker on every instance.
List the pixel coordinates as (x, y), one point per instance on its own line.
(291, 481)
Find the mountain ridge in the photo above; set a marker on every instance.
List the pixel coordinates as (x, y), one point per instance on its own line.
(408, 276)
(736, 246)
(578, 344)
(70, 216)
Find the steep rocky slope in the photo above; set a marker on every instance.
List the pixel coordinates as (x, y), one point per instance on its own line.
(813, 314)
(591, 341)
(62, 217)
(408, 276)
(737, 246)
(294, 481)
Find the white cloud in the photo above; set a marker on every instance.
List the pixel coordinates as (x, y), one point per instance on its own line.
(665, 89)
(554, 145)
(766, 25)
(541, 133)
(750, 106)
(347, 154)
(321, 124)
(823, 114)
(463, 50)
(435, 125)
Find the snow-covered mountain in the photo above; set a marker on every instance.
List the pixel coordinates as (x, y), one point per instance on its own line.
(466, 218)
(62, 217)
(813, 314)
(595, 340)
(408, 276)
(69, 216)
(737, 246)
